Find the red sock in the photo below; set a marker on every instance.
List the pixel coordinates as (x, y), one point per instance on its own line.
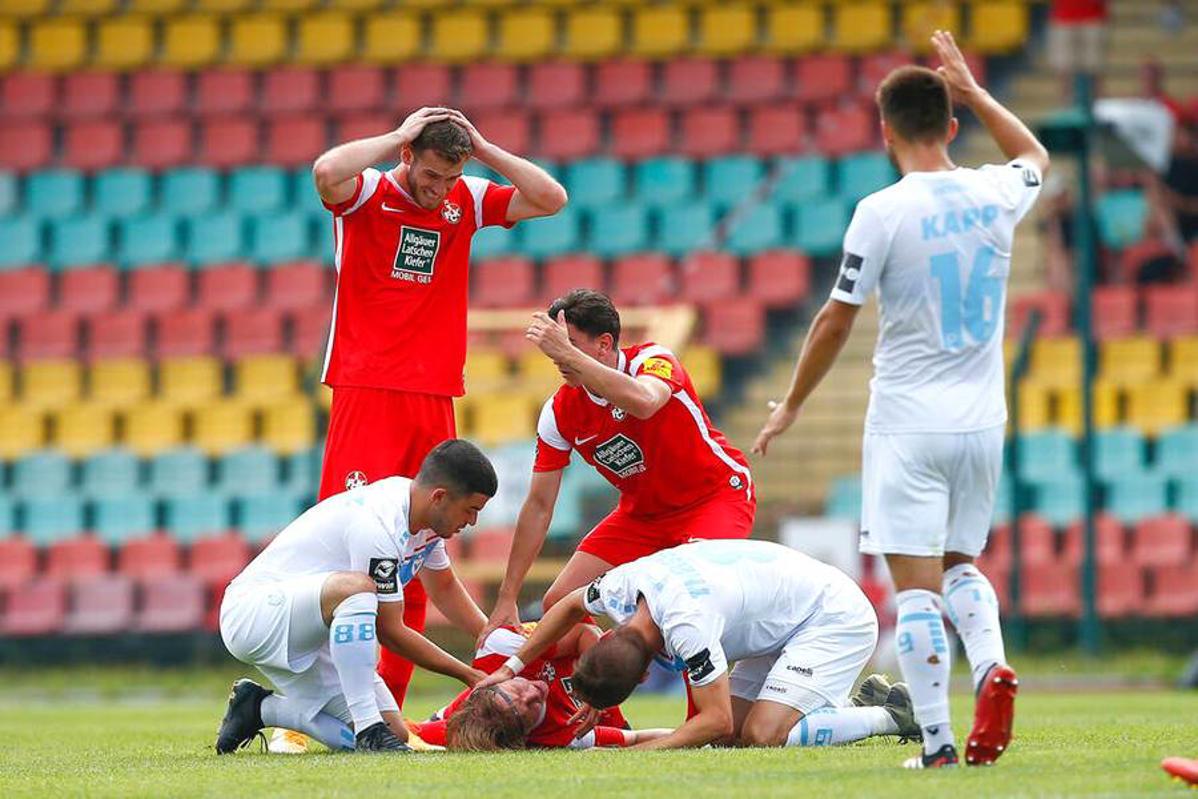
(690, 699)
(395, 670)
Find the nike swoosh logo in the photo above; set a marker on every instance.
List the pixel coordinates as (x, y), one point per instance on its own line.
(392, 210)
(578, 442)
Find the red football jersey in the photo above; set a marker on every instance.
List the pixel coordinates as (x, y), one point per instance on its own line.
(672, 461)
(399, 313)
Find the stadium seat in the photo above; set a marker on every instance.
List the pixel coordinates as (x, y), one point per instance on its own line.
(190, 381)
(179, 472)
(390, 38)
(261, 516)
(257, 40)
(10, 44)
(1116, 311)
(726, 30)
(458, 36)
(921, 18)
(688, 81)
(732, 180)
(218, 558)
(526, 34)
(1130, 360)
(161, 143)
(194, 516)
(618, 230)
(862, 26)
(264, 378)
(664, 181)
(101, 605)
(1171, 310)
(22, 430)
(550, 236)
(844, 499)
(802, 179)
(36, 608)
(123, 43)
(1060, 498)
(93, 144)
(1118, 451)
(289, 426)
(119, 382)
(1054, 313)
(761, 228)
(188, 332)
(779, 278)
(1120, 591)
(117, 334)
(25, 145)
(819, 226)
(874, 68)
(776, 130)
(1175, 590)
(1183, 359)
(23, 245)
(1046, 454)
(758, 79)
(486, 370)
(41, 475)
(1057, 361)
(710, 131)
(170, 604)
(622, 83)
(116, 519)
(28, 94)
(1162, 541)
(555, 85)
(560, 275)
(846, 129)
(998, 26)
(51, 519)
(685, 227)
(50, 384)
(1109, 542)
(191, 41)
(659, 31)
(76, 559)
(18, 559)
(295, 140)
(158, 288)
(1157, 405)
(190, 191)
(505, 418)
(246, 470)
(1177, 451)
(640, 133)
(83, 429)
(212, 239)
(9, 195)
(152, 427)
(310, 330)
(257, 189)
(735, 326)
(825, 77)
(595, 182)
(593, 32)
(642, 280)
(222, 426)
(78, 241)
(863, 174)
(327, 37)
(708, 276)
(295, 285)
(147, 239)
(54, 193)
(568, 133)
(485, 85)
(277, 238)
(1121, 216)
(1047, 590)
(503, 283)
(48, 335)
(354, 88)
(220, 92)
(122, 192)
(230, 141)
(110, 472)
(157, 92)
(89, 290)
(56, 44)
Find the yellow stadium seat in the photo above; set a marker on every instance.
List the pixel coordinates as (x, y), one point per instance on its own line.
(861, 26)
(526, 34)
(794, 28)
(593, 32)
(1130, 360)
(152, 427)
(727, 30)
(10, 44)
(502, 418)
(324, 396)
(704, 367)
(22, 430)
(7, 389)
(264, 378)
(157, 8)
(920, 19)
(1035, 406)
(356, 5)
(47, 385)
(83, 429)
(287, 5)
(390, 38)
(119, 382)
(257, 39)
(24, 8)
(659, 31)
(86, 8)
(486, 370)
(57, 44)
(1183, 360)
(462, 413)
(221, 426)
(223, 6)
(1157, 405)
(423, 3)
(1057, 361)
(1069, 406)
(289, 427)
(190, 381)
(998, 26)
(487, 3)
(559, 3)
(324, 38)
(459, 35)
(124, 42)
(537, 374)
(192, 41)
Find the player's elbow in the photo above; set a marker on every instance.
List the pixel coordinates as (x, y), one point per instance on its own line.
(556, 199)
(322, 175)
(720, 726)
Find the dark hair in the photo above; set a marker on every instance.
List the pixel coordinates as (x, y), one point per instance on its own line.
(485, 724)
(915, 102)
(590, 311)
(608, 672)
(460, 467)
(446, 138)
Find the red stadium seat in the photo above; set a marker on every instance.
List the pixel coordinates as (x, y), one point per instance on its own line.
(157, 555)
(93, 144)
(76, 558)
(28, 94)
(1162, 541)
(689, 81)
(228, 142)
(1120, 590)
(622, 82)
(642, 280)
(1174, 590)
(227, 287)
(708, 132)
(876, 66)
(640, 133)
(708, 276)
(491, 546)
(51, 334)
(510, 128)
(363, 125)
(503, 283)
(190, 331)
(1054, 313)
(735, 326)
(1116, 311)
(568, 133)
(1037, 541)
(118, 334)
(555, 84)
(162, 143)
(418, 85)
(997, 555)
(779, 278)
(252, 331)
(1050, 590)
(89, 94)
(35, 608)
(158, 92)
(154, 289)
(218, 559)
(485, 85)
(777, 129)
(171, 604)
(25, 145)
(310, 330)
(290, 90)
(843, 130)
(355, 88)
(23, 292)
(18, 562)
(975, 62)
(1171, 310)
(1108, 542)
(560, 275)
(296, 285)
(824, 77)
(90, 290)
(297, 140)
(100, 606)
(224, 91)
(757, 79)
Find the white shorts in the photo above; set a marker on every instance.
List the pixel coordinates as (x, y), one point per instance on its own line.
(925, 494)
(820, 663)
(278, 627)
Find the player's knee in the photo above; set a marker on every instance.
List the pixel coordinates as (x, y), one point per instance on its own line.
(343, 585)
(761, 732)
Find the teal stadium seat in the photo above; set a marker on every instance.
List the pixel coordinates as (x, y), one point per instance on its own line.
(22, 241)
(279, 237)
(1177, 451)
(863, 174)
(759, 229)
(304, 196)
(819, 226)
(475, 169)
(1135, 496)
(1117, 452)
(552, 235)
(321, 230)
(215, 238)
(247, 471)
(490, 242)
(1121, 216)
(1046, 454)
(1187, 498)
(618, 230)
(659, 182)
(261, 516)
(800, 180)
(731, 180)
(117, 519)
(10, 195)
(1060, 499)
(1002, 501)
(122, 192)
(79, 241)
(150, 239)
(190, 191)
(595, 182)
(181, 472)
(49, 519)
(686, 227)
(41, 474)
(844, 499)
(302, 472)
(110, 473)
(257, 189)
(8, 516)
(196, 516)
(54, 193)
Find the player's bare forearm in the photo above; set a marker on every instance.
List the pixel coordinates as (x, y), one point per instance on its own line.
(408, 643)
(537, 192)
(450, 596)
(640, 397)
(635, 737)
(829, 331)
(1008, 131)
(532, 526)
(335, 170)
(556, 623)
(711, 722)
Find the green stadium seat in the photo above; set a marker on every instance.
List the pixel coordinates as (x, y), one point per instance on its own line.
(1118, 451)
(10, 196)
(550, 236)
(1121, 216)
(257, 189)
(110, 473)
(490, 242)
(1046, 454)
(81, 240)
(1177, 451)
(180, 472)
(197, 515)
(819, 226)
(802, 179)
(214, 238)
(262, 516)
(22, 241)
(122, 192)
(844, 499)
(54, 193)
(41, 474)
(1136, 496)
(246, 471)
(863, 174)
(151, 239)
(117, 519)
(595, 182)
(1060, 499)
(279, 237)
(618, 230)
(49, 519)
(1187, 497)
(190, 191)
(685, 228)
(728, 181)
(759, 229)
(664, 181)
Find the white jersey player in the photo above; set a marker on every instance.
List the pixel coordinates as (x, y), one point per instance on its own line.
(312, 608)
(936, 250)
(798, 631)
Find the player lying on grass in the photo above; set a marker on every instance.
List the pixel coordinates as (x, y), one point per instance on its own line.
(312, 608)
(1182, 768)
(533, 708)
(799, 632)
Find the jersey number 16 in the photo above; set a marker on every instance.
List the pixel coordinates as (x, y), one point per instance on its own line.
(975, 311)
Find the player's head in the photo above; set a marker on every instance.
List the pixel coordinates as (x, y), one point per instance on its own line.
(608, 672)
(497, 717)
(457, 480)
(916, 109)
(435, 160)
(593, 323)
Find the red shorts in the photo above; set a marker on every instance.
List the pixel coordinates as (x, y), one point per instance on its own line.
(622, 538)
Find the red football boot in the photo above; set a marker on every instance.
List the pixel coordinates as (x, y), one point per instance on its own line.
(993, 716)
(1182, 768)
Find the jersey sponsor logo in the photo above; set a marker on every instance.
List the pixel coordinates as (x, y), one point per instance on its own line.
(451, 212)
(1030, 178)
(850, 272)
(699, 666)
(384, 571)
(621, 455)
(355, 479)
(416, 255)
(578, 442)
(658, 367)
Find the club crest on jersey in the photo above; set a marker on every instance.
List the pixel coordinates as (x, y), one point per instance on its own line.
(416, 255)
(548, 673)
(618, 414)
(355, 479)
(451, 212)
(621, 455)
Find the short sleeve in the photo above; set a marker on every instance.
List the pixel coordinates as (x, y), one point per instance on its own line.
(438, 557)
(491, 201)
(365, 185)
(553, 450)
(659, 362)
(373, 552)
(699, 648)
(1018, 183)
(866, 246)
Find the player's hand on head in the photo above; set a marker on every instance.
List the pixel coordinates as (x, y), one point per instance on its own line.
(781, 418)
(586, 717)
(954, 68)
(494, 678)
(418, 119)
(550, 335)
(505, 613)
(476, 138)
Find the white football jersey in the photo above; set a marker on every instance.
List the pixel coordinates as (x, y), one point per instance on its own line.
(719, 601)
(362, 530)
(937, 248)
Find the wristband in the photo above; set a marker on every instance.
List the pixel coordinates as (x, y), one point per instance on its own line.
(515, 664)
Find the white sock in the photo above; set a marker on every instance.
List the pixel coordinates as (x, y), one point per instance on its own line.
(972, 607)
(354, 648)
(830, 726)
(279, 711)
(923, 657)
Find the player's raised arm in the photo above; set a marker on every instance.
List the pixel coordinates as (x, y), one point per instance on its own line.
(406, 642)
(558, 621)
(450, 597)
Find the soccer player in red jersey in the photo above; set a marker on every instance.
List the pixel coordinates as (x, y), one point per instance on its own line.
(397, 343)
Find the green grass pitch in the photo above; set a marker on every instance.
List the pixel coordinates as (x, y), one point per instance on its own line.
(107, 742)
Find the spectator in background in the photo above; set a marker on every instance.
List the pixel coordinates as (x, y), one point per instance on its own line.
(1077, 39)
(1180, 183)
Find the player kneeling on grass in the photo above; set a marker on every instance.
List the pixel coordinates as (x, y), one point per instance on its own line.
(312, 608)
(532, 709)
(799, 632)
